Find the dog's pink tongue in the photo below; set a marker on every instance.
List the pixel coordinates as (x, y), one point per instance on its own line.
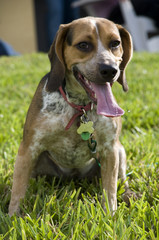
(106, 104)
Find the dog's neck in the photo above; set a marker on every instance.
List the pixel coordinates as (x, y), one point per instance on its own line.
(74, 91)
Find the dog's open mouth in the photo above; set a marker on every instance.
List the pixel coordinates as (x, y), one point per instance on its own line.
(85, 84)
(101, 95)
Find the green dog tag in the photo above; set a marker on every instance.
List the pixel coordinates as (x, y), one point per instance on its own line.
(85, 135)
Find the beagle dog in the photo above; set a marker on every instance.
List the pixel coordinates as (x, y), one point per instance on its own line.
(73, 124)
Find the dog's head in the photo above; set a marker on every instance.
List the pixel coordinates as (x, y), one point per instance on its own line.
(95, 50)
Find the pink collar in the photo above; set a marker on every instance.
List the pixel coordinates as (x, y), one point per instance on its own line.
(79, 108)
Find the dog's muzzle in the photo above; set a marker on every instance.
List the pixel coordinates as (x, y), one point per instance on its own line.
(100, 93)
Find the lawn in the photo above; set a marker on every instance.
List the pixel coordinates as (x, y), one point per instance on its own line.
(71, 210)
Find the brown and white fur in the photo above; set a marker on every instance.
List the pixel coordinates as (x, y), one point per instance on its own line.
(88, 44)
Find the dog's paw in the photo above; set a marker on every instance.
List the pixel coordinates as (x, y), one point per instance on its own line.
(14, 209)
(129, 194)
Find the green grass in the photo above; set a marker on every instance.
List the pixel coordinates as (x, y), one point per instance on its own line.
(71, 210)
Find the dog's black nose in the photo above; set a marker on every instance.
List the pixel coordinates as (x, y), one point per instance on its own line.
(107, 72)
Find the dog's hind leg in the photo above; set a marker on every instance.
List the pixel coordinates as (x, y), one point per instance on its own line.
(46, 166)
(122, 165)
(122, 174)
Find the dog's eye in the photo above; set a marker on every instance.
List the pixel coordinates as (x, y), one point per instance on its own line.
(84, 46)
(114, 44)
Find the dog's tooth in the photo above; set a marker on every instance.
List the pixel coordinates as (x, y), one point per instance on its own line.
(87, 81)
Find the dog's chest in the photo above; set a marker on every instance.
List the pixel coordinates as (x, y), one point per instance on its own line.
(66, 147)
(70, 151)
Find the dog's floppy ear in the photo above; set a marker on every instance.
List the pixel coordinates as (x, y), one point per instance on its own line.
(57, 72)
(127, 54)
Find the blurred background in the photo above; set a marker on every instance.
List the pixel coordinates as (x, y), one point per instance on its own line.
(28, 26)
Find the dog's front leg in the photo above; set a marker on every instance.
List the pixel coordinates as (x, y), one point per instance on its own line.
(109, 175)
(22, 172)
